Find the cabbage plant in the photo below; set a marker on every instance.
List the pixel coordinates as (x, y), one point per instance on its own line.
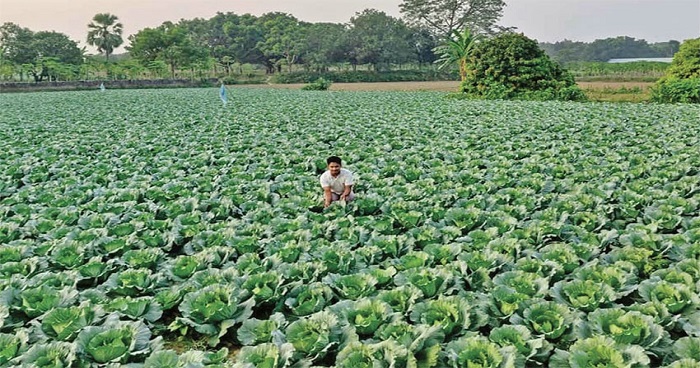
(403, 344)
(116, 341)
(131, 282)
(477, 351)
(94, 268)
(254, 331)
(687, 348)
(521, 339)
(143, 308)
(314, 336)
(264, 286)
(506, 301)
(365, 315)
(213, 310)
(600, 351)
(629, 328)
(430, 281)
(450, 313)
(357, 354)
(401, 299)
(677, 298)
(621, 276)
(69, 255)
(37, 301)
(169, 298)
(266, 355)
(306, 299)
(585, 295)
(12, 345)
(352, 286)
(551, 320)
(528, 284)
(143, 258)
(49, 355)
(163, 359)
(64, 323)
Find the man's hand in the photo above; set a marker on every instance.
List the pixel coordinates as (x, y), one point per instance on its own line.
(342, 197)
(327, 197)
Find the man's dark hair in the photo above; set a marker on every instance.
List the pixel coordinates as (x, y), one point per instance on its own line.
(333, 159)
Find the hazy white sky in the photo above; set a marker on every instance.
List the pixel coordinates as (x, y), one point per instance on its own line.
(543, 20)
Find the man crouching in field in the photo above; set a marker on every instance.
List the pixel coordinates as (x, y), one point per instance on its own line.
(336, 182)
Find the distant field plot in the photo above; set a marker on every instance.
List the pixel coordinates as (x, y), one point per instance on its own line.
(158, 227)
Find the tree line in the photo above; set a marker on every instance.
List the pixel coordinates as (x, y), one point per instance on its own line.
(230, 43)
(610, 48)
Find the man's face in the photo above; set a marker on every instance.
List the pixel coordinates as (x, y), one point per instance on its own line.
(334, 168)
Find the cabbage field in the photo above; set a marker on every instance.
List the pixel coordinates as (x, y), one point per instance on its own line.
(158, 228)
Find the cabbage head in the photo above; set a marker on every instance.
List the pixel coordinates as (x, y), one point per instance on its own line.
(678, 298)
(585, 295)
(401, 299)
(599, 351)
(630, 328)
(39, 300)
(65, 323)
(266, 355)
(450, 313)
(115, 341)
(352, 286)
(12, 346)
(687, 348)
(548, 319)
(518, 337)
(213, 310)
(477, 351)
(315, 335)
(50, 355)
(254, 331)
(366, 315)
(306, 299)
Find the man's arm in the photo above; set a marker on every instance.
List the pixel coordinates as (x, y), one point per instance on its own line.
(327, 196)
(346, 192)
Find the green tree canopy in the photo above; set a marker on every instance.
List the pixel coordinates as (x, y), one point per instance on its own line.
(379, 39)
(105, 33)
(41, 54)
(56, 45)
(686, 62)
(456, 50)
(324, 45)
(512, 66)
(682, 81)
(169, 43)
(15, 44)
(283, 39)
(445, 16)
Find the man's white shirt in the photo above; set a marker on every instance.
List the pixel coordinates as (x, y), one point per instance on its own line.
(338, 183)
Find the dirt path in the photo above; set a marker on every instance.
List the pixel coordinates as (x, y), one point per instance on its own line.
(377, 86)
(448, 86)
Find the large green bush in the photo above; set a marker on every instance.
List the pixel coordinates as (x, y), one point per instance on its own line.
(682, 82)
(512, 66)
(674, 90)
(686, 62)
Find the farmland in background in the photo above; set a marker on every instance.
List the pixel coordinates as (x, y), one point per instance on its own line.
(135, 222)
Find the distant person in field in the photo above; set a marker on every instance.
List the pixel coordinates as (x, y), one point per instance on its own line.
(336, 182)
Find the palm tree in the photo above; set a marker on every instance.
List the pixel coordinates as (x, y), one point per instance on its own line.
(456, 49)
(105, 33)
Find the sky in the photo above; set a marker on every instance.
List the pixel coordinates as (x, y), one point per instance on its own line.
(543, 20)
